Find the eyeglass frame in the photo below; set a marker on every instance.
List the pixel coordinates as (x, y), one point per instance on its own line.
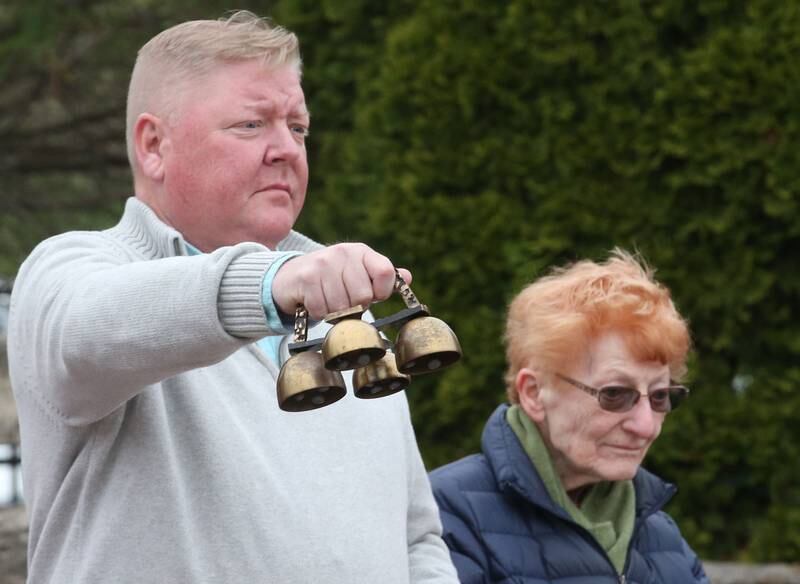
(597, 393)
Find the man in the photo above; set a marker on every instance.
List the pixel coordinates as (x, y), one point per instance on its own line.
(143, 358)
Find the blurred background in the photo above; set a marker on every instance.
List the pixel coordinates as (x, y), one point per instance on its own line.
(479, 143)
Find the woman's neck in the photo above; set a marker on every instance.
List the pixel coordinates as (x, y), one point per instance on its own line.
(577, 495)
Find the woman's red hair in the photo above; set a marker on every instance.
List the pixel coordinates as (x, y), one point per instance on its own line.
(552, 321)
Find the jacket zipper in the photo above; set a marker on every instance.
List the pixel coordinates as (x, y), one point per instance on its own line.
(623, 579)
(636, 528)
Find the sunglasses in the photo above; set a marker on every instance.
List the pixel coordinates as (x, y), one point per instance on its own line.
(619, 399)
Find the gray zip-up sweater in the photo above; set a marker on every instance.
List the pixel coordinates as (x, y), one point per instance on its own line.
(154, 450)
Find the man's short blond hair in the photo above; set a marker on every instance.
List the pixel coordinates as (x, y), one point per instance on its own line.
(552, 321)
(191, 50)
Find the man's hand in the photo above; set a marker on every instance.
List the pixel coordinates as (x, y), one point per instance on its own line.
(334, 278)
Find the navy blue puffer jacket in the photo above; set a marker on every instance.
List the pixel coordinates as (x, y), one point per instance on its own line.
(502, 526)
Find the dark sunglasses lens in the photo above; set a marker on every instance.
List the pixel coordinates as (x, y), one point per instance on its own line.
(676, 395)
(622, 399)
(618, 399)
(661, 399)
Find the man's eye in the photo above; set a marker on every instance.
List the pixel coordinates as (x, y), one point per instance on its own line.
(250, 124)
(300, 130)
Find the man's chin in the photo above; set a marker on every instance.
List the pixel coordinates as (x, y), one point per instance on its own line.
(270, 231)
(271, 238)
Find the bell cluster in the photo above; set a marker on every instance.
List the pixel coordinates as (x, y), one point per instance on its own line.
(312, 377)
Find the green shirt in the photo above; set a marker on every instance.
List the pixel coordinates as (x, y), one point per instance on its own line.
(608, 509)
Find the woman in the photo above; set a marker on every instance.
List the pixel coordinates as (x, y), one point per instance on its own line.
(594, 352)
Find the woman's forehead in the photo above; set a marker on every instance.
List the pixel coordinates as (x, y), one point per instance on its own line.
(610, 355)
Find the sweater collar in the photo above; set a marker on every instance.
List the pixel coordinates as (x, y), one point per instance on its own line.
(142, 228)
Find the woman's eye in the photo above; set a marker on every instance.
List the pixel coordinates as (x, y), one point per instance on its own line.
(659, 396)
(614, 392)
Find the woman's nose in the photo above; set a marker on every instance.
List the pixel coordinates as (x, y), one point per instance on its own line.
(642, 420)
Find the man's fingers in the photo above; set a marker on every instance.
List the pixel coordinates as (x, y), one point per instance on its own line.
(335, 278)
(381, 274)
(358, 284)
(405, 274)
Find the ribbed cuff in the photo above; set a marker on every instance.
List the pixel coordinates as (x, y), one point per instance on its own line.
(239, 303)
(276, 320)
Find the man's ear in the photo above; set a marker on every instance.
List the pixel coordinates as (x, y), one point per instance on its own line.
(529, 390)
(148, 143)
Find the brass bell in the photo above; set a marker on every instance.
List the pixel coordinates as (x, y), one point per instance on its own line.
(351, 343)
(304, 384)
(380, 378)
(426, 344)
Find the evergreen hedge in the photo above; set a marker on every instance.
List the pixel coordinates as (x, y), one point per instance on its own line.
(481, 142)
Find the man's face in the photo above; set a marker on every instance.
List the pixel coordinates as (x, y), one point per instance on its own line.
(234, 157)
(589, 444)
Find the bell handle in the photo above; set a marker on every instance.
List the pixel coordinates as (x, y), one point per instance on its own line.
(300, 342)
(300, 324)
(405, 292)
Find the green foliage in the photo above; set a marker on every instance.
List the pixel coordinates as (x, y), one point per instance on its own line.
(341, 42)
(64, 71)
(480, 143)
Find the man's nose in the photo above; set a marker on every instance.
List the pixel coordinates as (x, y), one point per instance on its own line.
(642, 421)
(282, 145)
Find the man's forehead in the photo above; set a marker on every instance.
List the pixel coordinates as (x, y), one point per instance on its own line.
(276, 94)
(256, 86)
(293, 105)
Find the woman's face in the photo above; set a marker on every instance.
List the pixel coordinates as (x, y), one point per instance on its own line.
(589, 444)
